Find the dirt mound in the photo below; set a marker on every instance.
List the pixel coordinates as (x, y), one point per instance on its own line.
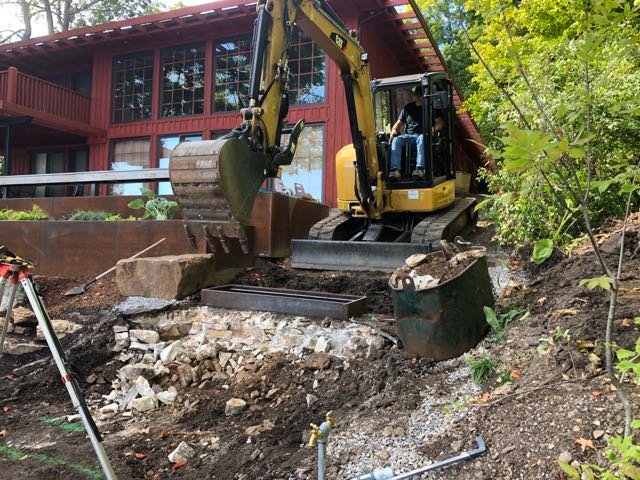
(373, 285)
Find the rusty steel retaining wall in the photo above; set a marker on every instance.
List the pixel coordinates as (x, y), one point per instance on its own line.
(85, 248)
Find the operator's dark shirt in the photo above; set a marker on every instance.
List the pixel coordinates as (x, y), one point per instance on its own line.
(411, 116)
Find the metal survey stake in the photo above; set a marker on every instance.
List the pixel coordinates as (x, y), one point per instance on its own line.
(14, 270)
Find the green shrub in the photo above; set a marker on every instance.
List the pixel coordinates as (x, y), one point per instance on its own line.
(89, 215)
(36, 213)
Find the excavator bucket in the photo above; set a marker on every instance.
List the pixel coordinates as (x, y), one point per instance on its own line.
(215, 183)
(358, 256)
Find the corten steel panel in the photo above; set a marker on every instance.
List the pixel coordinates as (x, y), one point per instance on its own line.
(23, 238)
(134, 236)
(278, 219)
(77, 248)
(279, 300)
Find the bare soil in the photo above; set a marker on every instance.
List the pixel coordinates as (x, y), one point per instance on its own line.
(558, 395)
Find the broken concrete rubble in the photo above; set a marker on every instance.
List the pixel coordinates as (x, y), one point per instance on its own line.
(234, 406)
(182, 453)
(154, 374)
(60, 327)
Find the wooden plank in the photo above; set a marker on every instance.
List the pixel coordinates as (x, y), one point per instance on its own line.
(105, 176)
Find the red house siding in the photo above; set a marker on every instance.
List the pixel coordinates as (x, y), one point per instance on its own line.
(381, 34)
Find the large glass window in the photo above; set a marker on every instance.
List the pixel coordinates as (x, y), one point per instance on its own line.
(132, 87)
(183, 81)
(167, 144)
(130, 154)
(307, 64)
(48, 162)
(232, 66)
(307, 168)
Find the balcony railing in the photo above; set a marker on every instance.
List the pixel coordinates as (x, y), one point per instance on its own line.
(32, 93)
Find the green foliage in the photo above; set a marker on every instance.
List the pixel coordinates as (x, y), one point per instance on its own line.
(542, 250)
(88, 215)
(499, 322)
(623, 461)
(450, 408)
(155, 208)
(36, 213)
(600, 282)
(628, 359)
(540, 52)
(481, 368)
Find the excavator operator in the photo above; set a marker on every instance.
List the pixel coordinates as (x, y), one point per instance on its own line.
(410, 118)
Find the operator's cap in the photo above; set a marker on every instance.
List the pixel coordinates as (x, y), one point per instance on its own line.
(417, 90)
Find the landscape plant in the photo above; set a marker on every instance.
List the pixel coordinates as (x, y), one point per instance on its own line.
(155, 207)
(89, 215)
(36, 213)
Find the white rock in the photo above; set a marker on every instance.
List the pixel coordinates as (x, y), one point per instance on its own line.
(145, 336)
(182, 453)
(60, 327)
(143, 404)
(234, 406)
(322, 345)
(140, 346)
(143, 387)
(167, 397)
(120, 336)
(111, 408)
(170, 352)
(311, 400)
(224, 357)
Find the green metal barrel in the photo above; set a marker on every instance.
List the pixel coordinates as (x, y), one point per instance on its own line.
(447, 320)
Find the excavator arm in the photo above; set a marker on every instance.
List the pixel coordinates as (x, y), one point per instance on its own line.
(216, 182)
(269, 75)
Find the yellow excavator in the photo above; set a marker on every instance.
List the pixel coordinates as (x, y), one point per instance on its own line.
(379, 222)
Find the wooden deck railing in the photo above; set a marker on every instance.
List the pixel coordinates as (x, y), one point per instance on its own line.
(37, 94)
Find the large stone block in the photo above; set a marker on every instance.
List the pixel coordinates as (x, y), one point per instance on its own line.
(170, 277)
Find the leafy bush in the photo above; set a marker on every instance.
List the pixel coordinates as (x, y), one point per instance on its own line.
(88, 215)
(155, 208)
(36, 213)
(623, 457)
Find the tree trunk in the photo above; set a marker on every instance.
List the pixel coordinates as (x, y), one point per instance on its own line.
(26, 18)
(49, 16)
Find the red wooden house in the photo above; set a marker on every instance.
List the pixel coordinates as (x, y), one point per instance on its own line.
(121, 95)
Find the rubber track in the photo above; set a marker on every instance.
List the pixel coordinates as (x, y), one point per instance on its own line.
(432, 228)
(324, 229)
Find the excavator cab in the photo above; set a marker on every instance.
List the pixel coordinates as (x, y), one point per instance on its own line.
(390, 95)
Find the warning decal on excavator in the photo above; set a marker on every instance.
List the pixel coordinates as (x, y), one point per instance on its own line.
(415, 195)
(339, 40)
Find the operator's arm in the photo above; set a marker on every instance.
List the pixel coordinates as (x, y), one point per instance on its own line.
(399, 125)
(395, 130)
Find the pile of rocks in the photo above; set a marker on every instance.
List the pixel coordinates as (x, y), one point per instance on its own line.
(204, 346)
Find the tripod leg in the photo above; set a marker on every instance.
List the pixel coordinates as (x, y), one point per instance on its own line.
(7, 315)
(68, 379)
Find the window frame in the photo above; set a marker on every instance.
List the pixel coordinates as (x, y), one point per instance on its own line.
(112, 143)
(112, 113)
(162, 51)
(214, 69)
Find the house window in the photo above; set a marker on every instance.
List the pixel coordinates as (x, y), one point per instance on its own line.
(183, 81)
(307, 63)
(132, 87)
(308, 162)
(167, 144)
(232, 66)
(130, 154)
(48, 162)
